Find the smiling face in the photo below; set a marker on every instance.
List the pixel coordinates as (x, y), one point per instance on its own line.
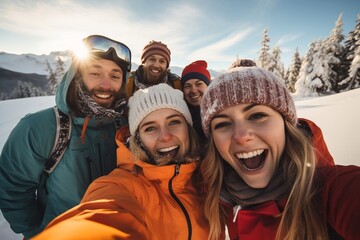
(165, 133)
(155, 67)
(103, 79)
(193, 91)
(251, 138)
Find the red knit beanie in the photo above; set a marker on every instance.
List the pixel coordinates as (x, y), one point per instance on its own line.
(154, 47)
(246, 85)
(196, 70)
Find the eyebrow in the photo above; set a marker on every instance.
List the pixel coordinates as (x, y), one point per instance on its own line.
(100, 67)
(247, 108)
(196, 81)
(152, 122)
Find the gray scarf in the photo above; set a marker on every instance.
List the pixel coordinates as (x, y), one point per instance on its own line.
(90, 108)
(236, 192)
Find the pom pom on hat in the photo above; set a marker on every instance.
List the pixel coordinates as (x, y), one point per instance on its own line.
(145, 101)
(154, 47)
(196, 70)
(246, 85)
(242, 63)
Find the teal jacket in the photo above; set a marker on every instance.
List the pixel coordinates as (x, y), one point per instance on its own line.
(29, 199)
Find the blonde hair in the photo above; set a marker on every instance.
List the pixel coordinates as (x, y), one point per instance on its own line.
(300, 219)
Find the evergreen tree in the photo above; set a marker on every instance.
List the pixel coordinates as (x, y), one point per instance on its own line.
(353, 80)
(350, 45)
(321, 79)
(275, 65)
(264, 56)
(304, 86)
(24, 90)
(333, 54)
(293, 72)
(52, 79)
(60, 69)
(4, 96)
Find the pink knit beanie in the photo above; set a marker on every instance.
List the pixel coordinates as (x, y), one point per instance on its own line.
(246, 85)
(154, 47)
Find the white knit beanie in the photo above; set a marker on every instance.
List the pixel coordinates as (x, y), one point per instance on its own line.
(145, 101)
(246, 84)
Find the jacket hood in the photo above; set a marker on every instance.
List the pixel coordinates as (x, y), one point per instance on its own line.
(61, 103)
(62, 90)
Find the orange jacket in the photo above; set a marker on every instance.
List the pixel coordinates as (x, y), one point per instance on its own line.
(159, 203)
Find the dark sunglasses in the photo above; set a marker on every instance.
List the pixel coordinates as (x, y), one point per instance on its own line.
(103, 44)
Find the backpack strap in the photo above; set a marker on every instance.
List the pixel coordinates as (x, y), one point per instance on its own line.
(62, 137)
(129, 87)
(175, 81)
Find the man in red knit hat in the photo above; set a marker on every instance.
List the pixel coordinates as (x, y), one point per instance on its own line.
(154, 69)
(194, 81)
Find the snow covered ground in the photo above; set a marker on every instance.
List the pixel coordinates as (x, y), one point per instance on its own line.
(338, 116)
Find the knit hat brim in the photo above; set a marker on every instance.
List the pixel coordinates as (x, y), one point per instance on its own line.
(156, 48)
(145, 101)
(246, 85)
(194, 75)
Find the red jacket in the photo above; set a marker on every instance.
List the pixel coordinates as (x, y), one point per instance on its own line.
(341, 212)
(340, 201)
(322, 153)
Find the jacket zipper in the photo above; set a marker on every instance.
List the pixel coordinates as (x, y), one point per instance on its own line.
(186, 214)
(101, 162)
(89, 162)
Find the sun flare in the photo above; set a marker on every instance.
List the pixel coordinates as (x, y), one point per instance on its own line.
(80, 50)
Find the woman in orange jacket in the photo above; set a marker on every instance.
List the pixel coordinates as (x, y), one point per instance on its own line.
(153, 193)
(264, 178)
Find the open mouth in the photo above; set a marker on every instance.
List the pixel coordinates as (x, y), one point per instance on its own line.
(252, 161)
(103, 96)
(195, 96)
(155, 71)
(169, 151)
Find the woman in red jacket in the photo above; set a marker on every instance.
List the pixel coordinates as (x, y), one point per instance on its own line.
(153, 194)
(264, 179)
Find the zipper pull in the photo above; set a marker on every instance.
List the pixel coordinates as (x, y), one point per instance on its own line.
(236, 210)
(177, 169)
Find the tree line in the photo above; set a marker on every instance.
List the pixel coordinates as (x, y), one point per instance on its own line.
(25, 89)
(330, 65)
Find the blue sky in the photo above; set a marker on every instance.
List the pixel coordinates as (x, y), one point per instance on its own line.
(216, 31)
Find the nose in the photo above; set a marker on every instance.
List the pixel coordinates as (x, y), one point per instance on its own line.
(106, 82)
(164, 135)
(242, 134)
(192, 89)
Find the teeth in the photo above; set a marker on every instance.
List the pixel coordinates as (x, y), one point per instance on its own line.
(250, 154)
(167, 149)
(103, 95)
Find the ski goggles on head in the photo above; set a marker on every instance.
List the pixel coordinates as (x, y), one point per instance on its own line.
(98, 43)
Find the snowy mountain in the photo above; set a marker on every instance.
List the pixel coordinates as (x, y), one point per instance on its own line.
(31, 63)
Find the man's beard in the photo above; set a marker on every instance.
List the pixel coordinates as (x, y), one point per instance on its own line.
(149, 78)
(115, 94)
(89, 107)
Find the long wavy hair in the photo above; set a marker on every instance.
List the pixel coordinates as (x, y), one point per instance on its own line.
(301, 218)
